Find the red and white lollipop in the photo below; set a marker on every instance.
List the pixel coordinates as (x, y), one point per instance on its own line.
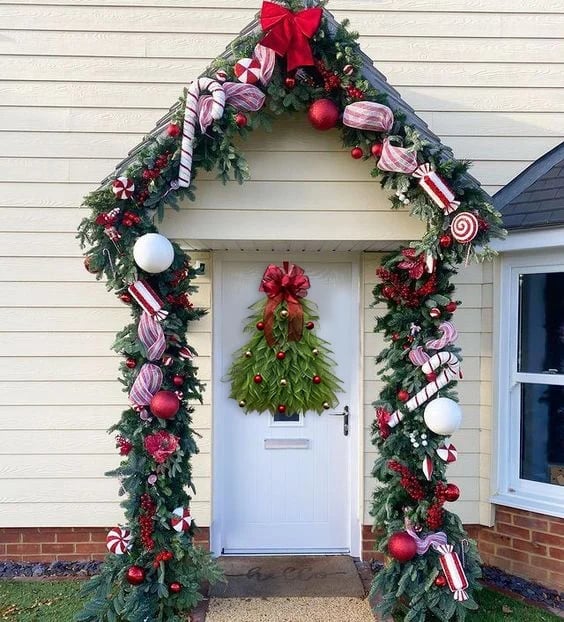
(447, 453)
(118, 540)
(181, 519)
(247, 70)
(123, 188)
(464, 227)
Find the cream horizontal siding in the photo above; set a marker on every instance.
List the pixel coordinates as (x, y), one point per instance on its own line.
(80, 83)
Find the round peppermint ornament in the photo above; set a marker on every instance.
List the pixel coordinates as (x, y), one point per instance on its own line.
(464, 227)
(181, 519)
(247, 70)
(153, 253)
(123, 188)
(118, 540)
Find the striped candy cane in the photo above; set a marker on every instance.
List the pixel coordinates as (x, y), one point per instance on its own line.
(190, 118)
(448, 374)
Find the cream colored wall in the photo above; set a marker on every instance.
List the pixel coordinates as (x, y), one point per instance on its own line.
(471, 472)
(80, 84)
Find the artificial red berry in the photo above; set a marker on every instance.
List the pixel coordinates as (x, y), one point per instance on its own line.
(290, 82)
(431, 376)
(440, 581)
(395, 337)
(281, 408)
(445, 241)
(175, 587)
(125, 298)
(178, 381)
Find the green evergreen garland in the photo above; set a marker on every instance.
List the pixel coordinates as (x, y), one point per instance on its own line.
(410, 585)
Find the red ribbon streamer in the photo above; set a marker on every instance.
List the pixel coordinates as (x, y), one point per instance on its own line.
(287, 33)
(288, 284)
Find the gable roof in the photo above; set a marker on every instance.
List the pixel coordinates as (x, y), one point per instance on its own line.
(369, 73)
(535, 198)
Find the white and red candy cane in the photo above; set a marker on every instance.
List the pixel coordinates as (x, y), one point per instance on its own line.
(453, 571)
(118, 540)
(123, 188)
(448, 374)
(148, 299)
(181, 519)
(436, 188)
(190, 117)
(449, 335)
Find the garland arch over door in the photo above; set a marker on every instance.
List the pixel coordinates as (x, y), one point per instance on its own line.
(297, 60)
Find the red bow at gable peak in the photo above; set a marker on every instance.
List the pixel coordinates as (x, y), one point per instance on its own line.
(287, 33)
(287, 284)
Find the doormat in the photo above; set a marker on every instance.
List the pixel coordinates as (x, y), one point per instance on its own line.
(268, 577)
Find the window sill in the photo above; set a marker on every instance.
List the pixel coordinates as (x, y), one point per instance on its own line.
(533, 503)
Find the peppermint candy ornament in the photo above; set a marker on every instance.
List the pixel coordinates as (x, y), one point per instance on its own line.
(181, 519)
(221, 75)
(464, 227)
(447, 453)
(123, 188)
(247, 70)
(118, 540)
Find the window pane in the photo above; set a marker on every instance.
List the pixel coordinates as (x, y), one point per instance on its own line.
(541, 323)
(286, 418)
(542, 433)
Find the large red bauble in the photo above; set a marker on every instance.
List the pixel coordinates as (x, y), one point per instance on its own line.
(402, 546)
(323, 114)
(452, 492)
(175, 587)
(257, 379)
(135, 575)
(165, 404)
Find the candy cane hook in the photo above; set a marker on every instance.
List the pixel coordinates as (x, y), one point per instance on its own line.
(448, 374)
(190, 117)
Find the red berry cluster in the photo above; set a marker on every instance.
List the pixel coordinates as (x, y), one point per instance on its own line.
(408, 481)
(396, 288)
(331, 80)
(124, 444)
(142, 196)
(178, 276)
(146, 521)
(354, 92)
(163, 556)
(440, 492)
(182, 300)
(435, 516)
(162, 160)
(130, 219)
(483, 224)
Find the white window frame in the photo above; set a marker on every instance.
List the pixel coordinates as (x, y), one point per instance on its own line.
(512, 490)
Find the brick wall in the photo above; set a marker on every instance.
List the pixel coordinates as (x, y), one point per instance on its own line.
(522, 543)
(40, 544)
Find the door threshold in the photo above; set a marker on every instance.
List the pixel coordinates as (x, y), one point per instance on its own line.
(279, 553)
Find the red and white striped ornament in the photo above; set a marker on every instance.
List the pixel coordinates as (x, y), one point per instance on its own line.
(348, 70)
(435, 186)
(447, 453)
(123, 188)
(464, 227)
(453, 571)
(221, 75)
(148, 299)
(247, 70)
(118, 540)
(427, 467)
(181, 519)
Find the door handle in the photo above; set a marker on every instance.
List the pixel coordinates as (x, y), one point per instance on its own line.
(345, 415)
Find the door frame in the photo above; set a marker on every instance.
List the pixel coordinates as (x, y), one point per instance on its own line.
(356, 446)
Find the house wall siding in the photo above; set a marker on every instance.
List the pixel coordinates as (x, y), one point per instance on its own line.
(81, 83)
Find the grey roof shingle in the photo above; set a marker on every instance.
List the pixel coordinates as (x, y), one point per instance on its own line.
(535, 198)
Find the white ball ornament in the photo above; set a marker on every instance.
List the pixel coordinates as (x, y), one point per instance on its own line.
(442, 416)
(153, 253)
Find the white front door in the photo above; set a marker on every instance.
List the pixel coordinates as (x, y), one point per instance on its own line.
(285, 486)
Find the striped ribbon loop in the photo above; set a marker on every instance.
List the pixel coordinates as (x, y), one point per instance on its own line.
(151, 335)
(368, 116)
(424, 544)
(397, 159)
(147, 383)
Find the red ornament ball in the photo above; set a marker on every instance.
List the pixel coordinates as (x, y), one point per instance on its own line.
(402, 546)
(135, 575)
(241, 119)
(281, 408)
(257, 379)
(431, 376)
(445, 241)
(452, 492)
(387, 291)
(376, 150)
(175, 587)
(316, 379)
(125, 298)
(451, 307)
(290, 83)
(435, 313)
(310, 325)
(173, 130)
(440, 581)
(323, 114)
(403, 395)
(395, 337)
(356, 153)
(260, 325)
(131, 363)
(281, 355)
(178, 381)
(165, 404)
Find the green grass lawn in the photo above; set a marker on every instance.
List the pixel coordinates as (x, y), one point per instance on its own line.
(58, 602)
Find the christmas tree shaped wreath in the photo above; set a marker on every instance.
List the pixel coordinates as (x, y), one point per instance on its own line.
(300, 60)
(284, 369)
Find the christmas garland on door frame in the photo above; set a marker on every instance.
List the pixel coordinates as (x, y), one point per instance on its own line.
(284, 369)
(299, 62)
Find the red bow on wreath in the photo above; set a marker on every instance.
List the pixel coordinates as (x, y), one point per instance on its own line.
(287, 33)
(284, 284)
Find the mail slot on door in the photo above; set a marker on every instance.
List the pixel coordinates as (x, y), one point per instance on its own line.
(286, 443)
